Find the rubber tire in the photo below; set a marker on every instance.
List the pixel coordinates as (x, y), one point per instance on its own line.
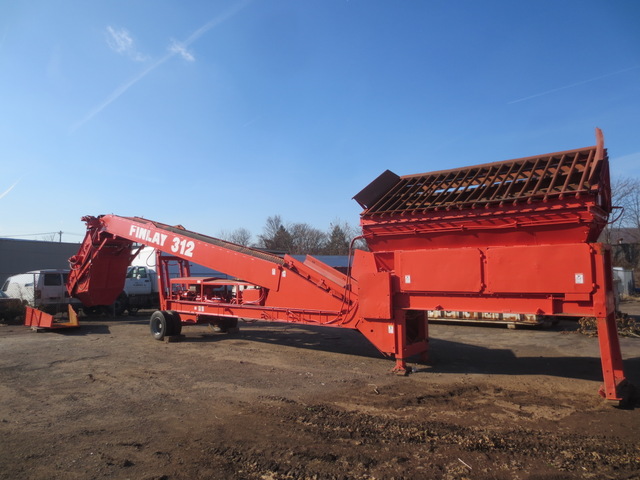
(176, 323)
(231, 326)
(161, 324)
(121, 304)
(93, 311)
(231, 323)
(227, 325)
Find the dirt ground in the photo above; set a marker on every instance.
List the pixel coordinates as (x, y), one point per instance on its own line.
(277, 401)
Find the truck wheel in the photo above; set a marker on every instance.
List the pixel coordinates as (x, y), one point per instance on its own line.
(93, 311)
(176, 323)
(161, 324)
(121, 303)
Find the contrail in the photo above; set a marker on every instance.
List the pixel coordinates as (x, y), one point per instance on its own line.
(215, 22)
(572, 85)
(120, 90)
(126, 86)
(9, 189)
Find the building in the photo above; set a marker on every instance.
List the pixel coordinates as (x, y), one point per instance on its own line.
(20, 256)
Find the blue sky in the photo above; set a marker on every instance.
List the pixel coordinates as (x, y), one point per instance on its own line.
(218, 114)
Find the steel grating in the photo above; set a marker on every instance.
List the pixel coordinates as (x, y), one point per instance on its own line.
(540, 178)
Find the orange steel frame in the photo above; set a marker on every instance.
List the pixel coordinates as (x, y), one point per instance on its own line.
(510, 237)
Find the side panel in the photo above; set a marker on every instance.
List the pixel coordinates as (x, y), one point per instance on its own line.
(375, 295)
(566, 269)
(98, 272)
(381, 333)
(441, 270)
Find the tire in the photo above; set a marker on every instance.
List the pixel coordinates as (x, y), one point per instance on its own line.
(121, 304)
(161, 324)
(225, 325)
(176, 323)
(231, 325)
(93, 311)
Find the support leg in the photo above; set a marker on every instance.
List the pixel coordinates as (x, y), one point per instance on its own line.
(615, 386)
(399, 317)
(411, 337)
(614, 381)
(401, 367)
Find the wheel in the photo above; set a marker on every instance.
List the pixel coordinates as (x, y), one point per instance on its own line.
(176, 323)
(93, 311)
(161, 324)
(231, 325)
(121, 303)
(225, 325)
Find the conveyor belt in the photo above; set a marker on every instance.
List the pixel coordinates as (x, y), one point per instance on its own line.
(218, 242)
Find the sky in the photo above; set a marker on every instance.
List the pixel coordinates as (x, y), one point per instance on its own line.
(218, 114)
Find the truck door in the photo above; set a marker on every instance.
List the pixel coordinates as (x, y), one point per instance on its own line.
(138, 281)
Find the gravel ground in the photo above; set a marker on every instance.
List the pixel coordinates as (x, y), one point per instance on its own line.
(278, 401)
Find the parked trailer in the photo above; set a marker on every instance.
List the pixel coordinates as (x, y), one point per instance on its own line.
(501, 238)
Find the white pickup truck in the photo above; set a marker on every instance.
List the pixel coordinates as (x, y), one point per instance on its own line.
(140, 291)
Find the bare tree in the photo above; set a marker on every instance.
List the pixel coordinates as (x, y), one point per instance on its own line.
(276, 236)
(624, 231)
(270, 230)
(622, 190)
(240, 236)
(306, 239)
(302, 238)
(625, 196)
(632, 205)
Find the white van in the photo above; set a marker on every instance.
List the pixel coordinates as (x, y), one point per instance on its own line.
(43, 289)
